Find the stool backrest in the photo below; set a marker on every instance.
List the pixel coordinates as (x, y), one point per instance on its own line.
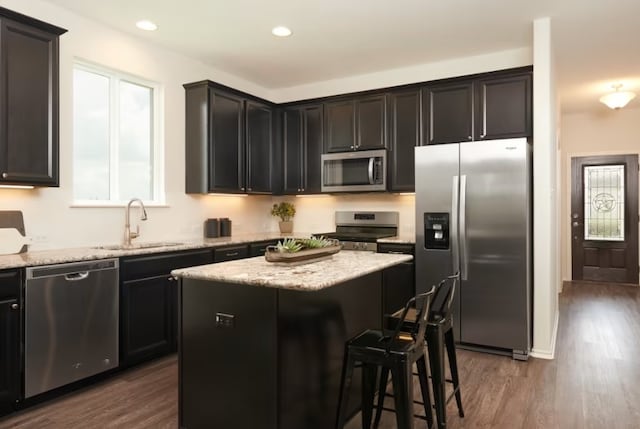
(443, 299)
(422, 303)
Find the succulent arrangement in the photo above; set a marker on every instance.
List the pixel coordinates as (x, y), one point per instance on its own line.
(293, 245)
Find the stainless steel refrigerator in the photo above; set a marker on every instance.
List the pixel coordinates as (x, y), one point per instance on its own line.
(473, 215)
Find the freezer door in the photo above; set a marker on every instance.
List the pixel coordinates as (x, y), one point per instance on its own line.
(437, 184)
(495, 238)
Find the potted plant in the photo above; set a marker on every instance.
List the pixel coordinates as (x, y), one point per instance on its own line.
(285, 211)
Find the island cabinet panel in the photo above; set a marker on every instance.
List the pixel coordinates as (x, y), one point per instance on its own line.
(228, 356)
(398, 282)
(312, 330)
(9, 340)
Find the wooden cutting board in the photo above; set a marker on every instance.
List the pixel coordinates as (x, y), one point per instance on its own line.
(11, 241)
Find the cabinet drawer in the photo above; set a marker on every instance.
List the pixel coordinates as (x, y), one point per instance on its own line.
(140, 267)
(259, 249)
(405, 249)
(230, 253)
(9, 284)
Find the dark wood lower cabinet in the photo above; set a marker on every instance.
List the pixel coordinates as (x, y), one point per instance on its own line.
(399, 281)
(9, 340)
(147, 316)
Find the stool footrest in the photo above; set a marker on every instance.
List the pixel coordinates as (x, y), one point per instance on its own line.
(417, 416)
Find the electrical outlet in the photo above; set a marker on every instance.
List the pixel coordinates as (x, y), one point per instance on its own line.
(224, 320)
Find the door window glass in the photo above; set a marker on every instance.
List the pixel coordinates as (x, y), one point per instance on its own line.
(604, 202)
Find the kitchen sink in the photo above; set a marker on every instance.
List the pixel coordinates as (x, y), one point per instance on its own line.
(138, 246)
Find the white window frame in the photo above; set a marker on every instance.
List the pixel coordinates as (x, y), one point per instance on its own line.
(157, 135)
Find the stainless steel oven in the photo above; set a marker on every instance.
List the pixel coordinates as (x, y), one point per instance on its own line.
(354, 171)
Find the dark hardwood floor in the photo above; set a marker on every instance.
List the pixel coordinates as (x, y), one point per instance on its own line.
(594, 382)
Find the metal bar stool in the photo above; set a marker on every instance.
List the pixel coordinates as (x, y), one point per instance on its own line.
(438, 337)
(395, 353)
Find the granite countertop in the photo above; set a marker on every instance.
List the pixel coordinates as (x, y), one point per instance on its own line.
(59, 256)
(342, 266)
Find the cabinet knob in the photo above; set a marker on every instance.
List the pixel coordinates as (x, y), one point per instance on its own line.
(242, 189)
(248, 189)
(14, 306)
(171, 279)
(469, 138)
(5, 175)
(482, 136)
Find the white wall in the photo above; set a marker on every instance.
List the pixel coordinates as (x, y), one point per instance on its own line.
(47, 212)
(605, 132)
(545, 250)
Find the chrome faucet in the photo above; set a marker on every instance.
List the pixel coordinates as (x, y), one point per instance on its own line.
(128, 235)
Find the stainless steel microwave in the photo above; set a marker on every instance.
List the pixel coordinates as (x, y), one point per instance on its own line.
(360, 171)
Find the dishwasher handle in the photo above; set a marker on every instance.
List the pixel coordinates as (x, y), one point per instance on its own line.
(76, 277)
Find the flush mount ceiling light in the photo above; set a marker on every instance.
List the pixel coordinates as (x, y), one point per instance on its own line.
(281, 31)
(146, 25)
(617, 99)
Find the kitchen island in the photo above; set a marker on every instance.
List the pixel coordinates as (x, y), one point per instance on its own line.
(261, 345)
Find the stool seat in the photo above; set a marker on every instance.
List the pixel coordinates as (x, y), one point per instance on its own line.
(391, 352)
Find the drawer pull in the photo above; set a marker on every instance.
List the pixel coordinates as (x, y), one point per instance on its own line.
(232, 254)
(14, 306)
(395, 252)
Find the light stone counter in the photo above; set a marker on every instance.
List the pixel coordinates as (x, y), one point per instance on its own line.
(343, 266)
(59, 256)
(399, 239)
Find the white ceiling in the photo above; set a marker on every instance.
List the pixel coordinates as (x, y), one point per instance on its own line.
(596, 41)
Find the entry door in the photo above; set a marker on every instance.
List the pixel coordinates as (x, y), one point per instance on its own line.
(604, 218)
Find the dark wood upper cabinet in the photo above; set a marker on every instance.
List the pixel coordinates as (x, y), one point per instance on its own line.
(371, 120)
(303, 140)
(448, 112)
(405, 122)
(259, 144)
(340, 125)
(229, 140)
(28, 101)
(503, 107)
(356, 124)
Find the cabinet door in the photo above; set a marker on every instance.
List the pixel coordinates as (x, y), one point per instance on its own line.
(312, 152)
(405, 128)
(293, 149)
(28, 105)
(147, 318)
(448, 112)
(259, 140)
(340, 126)
(503, 107)
(226, 152)
(9, 354)
(371, 120)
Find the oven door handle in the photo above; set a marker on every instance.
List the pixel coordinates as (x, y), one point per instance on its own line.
(370, 170)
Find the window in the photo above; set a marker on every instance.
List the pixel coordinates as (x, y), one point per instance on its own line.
(116, 138)
(604, 202)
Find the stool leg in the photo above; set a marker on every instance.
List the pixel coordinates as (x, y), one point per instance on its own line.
(424, 388)
(435, 345)
(345, 384)
(369, 373)
(403, 394)
(382, 391)
(453, 366)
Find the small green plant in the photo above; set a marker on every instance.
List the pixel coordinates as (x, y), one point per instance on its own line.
(285, 211)
(289, 245)
(316, 242)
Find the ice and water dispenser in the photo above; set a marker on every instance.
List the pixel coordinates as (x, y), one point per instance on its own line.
(436, 230)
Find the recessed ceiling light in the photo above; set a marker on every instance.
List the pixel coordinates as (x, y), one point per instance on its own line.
(147, 25)
(281, 31)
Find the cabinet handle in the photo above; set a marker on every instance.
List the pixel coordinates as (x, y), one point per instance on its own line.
(232, 254)
(395, 252)
(14, 306)
(5, 175)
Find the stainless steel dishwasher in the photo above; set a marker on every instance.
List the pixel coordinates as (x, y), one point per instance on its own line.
(71, 323)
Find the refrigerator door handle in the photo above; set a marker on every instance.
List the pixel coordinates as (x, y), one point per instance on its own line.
(455, 246)
(464, 251)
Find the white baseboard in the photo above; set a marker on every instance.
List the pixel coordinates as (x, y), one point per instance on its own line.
(548, 353)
